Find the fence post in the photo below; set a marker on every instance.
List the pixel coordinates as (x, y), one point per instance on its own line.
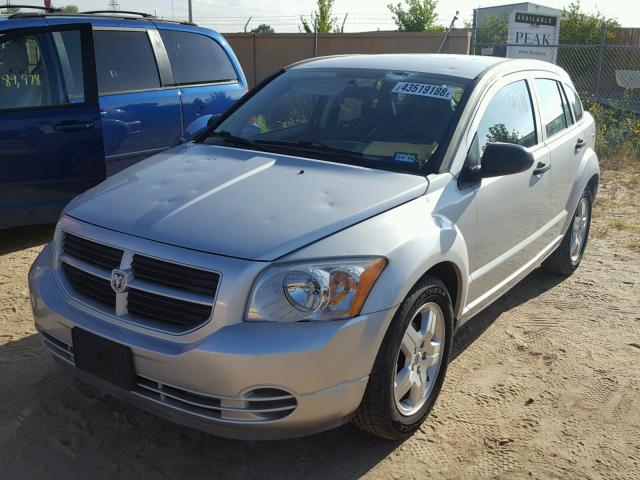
(474, 28)
(599, 61)
(315, 37)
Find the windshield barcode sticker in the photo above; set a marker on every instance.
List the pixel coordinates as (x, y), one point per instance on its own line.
(424, 89)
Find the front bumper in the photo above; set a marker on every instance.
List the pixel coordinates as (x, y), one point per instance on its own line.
(208, 383)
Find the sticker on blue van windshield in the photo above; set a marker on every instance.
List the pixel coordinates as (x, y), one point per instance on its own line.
(424, 89)
(405, 157)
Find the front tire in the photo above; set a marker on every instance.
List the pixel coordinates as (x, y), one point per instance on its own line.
(411, 365)
(566, 258)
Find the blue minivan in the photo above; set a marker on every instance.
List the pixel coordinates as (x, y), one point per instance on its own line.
(83, 96)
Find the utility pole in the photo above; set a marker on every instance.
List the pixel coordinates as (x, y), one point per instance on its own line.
(190, 12)
(343, 22)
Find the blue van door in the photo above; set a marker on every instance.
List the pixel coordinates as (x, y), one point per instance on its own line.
(209, 83)
(50, 129)
(140, 108)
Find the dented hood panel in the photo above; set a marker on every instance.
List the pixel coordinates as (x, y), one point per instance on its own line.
(239, 203)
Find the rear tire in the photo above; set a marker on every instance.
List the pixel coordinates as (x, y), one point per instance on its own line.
(422, 326)
(567, 257)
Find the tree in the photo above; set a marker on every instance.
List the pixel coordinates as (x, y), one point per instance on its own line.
(263, 28)
(326, 23)
(70, 9)
(419, 16)
(581, 28)
(10, 11)
(493, 29)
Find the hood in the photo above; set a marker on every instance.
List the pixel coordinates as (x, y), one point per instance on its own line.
(240, 203)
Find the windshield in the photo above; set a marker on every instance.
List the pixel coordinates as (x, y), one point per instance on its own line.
(387, 119)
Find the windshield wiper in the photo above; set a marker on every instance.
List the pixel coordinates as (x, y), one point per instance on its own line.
(239, 141)
(313, 145)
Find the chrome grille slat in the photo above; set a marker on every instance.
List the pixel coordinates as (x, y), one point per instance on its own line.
(87, 267)
(159, 294)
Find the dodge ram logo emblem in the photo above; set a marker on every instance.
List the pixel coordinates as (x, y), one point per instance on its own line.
(118, 281)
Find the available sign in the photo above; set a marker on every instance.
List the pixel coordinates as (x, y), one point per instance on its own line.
(533, 36)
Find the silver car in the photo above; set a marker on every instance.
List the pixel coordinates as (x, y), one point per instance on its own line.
(308, 260)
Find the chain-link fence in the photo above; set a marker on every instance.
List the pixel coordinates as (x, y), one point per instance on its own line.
(609, 74)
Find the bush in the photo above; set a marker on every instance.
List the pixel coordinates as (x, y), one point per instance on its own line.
(617, 132)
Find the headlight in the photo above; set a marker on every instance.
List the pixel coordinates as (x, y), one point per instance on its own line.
(314, 291)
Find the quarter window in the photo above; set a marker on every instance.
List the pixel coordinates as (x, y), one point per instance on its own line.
(125, 62)
(197, 58)
(575, 102)
(552, 107)
(508, 118)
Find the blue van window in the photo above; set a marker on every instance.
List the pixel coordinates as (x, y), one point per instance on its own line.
(124, 62)
(27, 74)
(69, 47)
(196, 58)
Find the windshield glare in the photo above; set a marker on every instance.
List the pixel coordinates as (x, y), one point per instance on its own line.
(393, 119)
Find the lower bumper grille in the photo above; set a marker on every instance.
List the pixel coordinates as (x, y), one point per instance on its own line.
(258, 405)
(262, 404)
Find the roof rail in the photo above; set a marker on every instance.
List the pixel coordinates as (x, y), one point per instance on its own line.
(117, 13)
(33, 7)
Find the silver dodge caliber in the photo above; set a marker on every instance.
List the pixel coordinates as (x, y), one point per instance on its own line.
(308, 259)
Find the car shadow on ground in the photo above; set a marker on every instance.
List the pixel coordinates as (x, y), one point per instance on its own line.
(19, 238)
(54, 425)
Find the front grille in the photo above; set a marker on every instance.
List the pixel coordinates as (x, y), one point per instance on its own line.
(159, 294)
(177, 276)
(167, 309)
(89, 285)
(92, 252)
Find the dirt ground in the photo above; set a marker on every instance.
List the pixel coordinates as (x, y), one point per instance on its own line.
(544, 384)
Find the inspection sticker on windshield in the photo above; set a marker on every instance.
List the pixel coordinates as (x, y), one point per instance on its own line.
(405, 157)
(424, 89)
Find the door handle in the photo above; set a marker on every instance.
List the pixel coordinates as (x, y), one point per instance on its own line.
(73, 126)
(541, 168)
(580, 144)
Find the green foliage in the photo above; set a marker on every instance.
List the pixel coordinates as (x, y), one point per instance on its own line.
(617, 127)
(499, 133)
(9, 11)
(70, 9)
(326, 23)
(493, 29)
(581, 28)
(263, 28)
(419, 16)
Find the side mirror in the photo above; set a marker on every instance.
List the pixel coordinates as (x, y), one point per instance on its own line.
(212, 120)
(504, 159)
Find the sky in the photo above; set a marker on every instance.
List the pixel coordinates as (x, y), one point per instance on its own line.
(363, 15)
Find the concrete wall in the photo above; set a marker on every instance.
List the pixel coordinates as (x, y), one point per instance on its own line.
(263, 54)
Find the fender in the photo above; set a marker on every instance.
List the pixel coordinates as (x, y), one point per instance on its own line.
(412, 239)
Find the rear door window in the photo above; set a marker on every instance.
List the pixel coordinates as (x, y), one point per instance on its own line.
(553, 109)
(508, 118)
(196, 58)
(125, 62)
